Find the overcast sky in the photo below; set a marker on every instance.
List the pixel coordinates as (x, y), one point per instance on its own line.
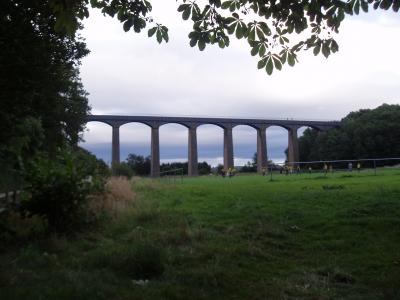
(130, 74)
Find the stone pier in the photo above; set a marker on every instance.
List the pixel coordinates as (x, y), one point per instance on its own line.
(155, 152)
(115, 159)
(293, 146)
(228, 148)
(192, 152)
(262, 158)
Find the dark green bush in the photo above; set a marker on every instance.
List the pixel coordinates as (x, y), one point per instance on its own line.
(57, 188)
(123, 169)
(15, 227)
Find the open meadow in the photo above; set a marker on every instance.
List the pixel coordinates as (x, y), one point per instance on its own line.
(296, 237)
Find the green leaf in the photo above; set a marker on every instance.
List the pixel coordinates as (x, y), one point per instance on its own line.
(193, 42)
(385, 4)
(231, 28)
(230, 20)
(186, 13)
(364, 6)
(298, 46)
(396, 5)
(128, 24)
(260, 34)
(227, 42)
(202, 45)
(317, 49)
(357, 7)
(239, 31)
(165, 35)
(226, 4)
(284, 56)
(182, 7)
(277, 63)
(252, 34)
(326, 50)
(121, 15)
(261, 64)
(159, 36)
(270, 66)
(254, 50)
(262, 50)
(334, 46)
(264, 27)
(291, 59)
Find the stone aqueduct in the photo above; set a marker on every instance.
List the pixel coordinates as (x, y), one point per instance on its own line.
(227, 124)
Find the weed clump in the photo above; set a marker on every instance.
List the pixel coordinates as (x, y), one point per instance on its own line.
(117, 197)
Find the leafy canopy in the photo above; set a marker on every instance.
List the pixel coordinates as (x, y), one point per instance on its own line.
(43, 104)
(367, 133)
(267, 25)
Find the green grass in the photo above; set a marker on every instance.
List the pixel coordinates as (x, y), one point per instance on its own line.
(296, 237)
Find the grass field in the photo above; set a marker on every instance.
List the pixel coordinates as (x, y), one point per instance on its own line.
(296, 237)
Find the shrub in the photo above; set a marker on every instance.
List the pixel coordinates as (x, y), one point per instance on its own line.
(123, 169)
(16, 227)
(57, 189)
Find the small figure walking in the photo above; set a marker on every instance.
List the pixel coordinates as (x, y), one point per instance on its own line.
(309, 170)
(350, 167)
(358, 167)
(325, 168)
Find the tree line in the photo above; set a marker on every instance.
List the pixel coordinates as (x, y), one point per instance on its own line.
(139, 165)
(366, 133)
(43, 111)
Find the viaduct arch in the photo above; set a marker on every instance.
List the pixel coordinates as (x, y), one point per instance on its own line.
(227, 124)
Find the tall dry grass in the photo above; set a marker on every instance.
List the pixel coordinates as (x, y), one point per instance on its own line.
(118, 196)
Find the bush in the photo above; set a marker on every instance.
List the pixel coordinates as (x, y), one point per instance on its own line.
(16, 227)
(123, 169)
(57, 189)
(96, 170)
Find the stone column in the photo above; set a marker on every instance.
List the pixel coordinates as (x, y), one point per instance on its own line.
(115, 150)
(192, 152)
(155, 152)
(293, 146)
(228, 148)
(262, 160)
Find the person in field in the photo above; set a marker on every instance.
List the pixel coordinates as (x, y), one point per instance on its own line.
(350, 167)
